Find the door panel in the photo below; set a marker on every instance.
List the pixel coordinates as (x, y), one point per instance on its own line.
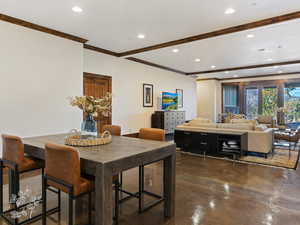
(97, 86)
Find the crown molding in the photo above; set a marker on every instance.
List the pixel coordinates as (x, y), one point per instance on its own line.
(246, 67)
(229, 30)
(247, 77)
(101, 50)
(37, 27)
(155, 65)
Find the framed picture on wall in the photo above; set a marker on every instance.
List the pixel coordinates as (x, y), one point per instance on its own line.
(179, 93)
(148, 95)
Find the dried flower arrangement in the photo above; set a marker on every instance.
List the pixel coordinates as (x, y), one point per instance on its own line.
(92, 105)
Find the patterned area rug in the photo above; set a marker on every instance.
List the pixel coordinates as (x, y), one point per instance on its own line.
(280, 159)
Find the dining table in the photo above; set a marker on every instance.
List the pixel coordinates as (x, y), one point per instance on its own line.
(104, 161)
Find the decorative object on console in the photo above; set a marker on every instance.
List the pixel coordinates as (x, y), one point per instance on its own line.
(148, 95)
(179, 93)
(91, 108)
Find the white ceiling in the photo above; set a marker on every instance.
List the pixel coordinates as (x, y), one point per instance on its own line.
(253, 72)
(114, 25)
(233, 50)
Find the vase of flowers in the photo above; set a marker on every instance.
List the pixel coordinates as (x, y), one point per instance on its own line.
(91, 108)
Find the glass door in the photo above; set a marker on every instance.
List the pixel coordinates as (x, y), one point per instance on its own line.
(252, 102)
(292, 102)
(269, 101)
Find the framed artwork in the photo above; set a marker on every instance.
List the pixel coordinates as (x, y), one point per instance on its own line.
(148, 95)
(180, 97)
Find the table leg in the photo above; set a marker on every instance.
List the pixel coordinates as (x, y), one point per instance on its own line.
(169, 185)
(11, 184)
(103, 196)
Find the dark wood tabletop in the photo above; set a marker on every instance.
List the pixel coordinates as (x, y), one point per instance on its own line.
(104, 161)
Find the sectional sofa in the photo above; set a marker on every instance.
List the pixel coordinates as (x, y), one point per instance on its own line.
(260, 137)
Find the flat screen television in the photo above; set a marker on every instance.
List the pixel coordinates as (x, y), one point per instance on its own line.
(169, 101)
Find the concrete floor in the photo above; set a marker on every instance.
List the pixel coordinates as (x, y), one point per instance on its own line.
(210, 192)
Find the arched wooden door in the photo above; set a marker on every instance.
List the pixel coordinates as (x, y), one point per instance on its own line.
(97, 86)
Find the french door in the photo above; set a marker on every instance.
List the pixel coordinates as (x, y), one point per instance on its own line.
(261, 101)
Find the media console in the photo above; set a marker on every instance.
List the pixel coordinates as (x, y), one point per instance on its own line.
(214, 143)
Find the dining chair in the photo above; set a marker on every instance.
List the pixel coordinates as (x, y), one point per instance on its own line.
(17, 163)
(113, 129)
(62, 171)
(156, 135)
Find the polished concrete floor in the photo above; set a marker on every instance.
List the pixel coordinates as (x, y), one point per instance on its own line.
(211, 192)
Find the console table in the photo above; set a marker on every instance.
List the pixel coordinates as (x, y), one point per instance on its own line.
(214, 143)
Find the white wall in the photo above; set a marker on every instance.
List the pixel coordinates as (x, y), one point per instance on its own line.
(38, 72)
(127, 87)
(208, 99)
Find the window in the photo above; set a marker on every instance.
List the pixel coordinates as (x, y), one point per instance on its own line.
(292, 102)
(251, 102)
(230, 99)
(269, 101)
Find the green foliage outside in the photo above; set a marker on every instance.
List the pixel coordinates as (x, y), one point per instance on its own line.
(292, 105)
(269, 101)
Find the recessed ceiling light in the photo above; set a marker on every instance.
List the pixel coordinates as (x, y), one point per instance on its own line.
(269, 59)
(197, 60)
(230, 11)
(235, 75)
(276, 67)
(175, 50)
(141, 36)
(250, 36)
(226, 72)
(213, 66)
(77, 9)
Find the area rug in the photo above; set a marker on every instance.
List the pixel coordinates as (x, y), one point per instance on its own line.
(279, 159)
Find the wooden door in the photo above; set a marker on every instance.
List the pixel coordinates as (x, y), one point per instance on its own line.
(97, 86)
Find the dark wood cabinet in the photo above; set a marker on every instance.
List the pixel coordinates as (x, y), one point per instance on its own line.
(167, 120)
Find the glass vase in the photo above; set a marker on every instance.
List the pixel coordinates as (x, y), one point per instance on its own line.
(89, 126)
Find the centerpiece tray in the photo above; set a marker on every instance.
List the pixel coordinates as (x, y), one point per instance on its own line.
(88, 140)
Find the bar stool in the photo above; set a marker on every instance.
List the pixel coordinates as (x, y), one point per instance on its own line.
(113, 129)
(156, 135)
(62, 172)
(17, 163)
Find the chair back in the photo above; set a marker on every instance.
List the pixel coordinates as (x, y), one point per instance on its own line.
(113, 129)
(63, 163)
(13, 148)
(152, 134)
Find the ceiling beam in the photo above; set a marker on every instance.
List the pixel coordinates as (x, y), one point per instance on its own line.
(229, 30)
(246, 67)
(246, 77)
(33, 26)
(101, 50)
(155, 65)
